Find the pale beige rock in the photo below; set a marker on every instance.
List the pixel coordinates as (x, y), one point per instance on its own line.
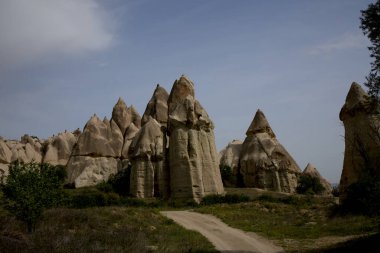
(25, 153)
(85, 171)
(135, 116)
(4, 170)
(230, 155)
(149, 173)
(310, 170)
(361, 119)
(59, 148)
(99, 139)
(5, 153)
(194, 164)
(264, 162)
(157, 107)
(121, 116)
(128, 137)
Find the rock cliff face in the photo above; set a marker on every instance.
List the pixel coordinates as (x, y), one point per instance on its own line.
(361, 119)
(230, 155)
(103, 147)
(193, 160)
(157, 107)
(311, 171)
(264, 162)
(27, 150)
(149, 174)
(59, 148)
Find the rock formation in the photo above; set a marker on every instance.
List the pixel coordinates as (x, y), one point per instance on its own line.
(193, 160)
(311, 171)
(230, 155)
(27, 150)
(59, 148)
(102, 148)
(361, 118)
(264, 162)
(157, 107)
(149, 174)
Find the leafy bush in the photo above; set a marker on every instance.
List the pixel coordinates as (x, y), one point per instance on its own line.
(30, 189)
(227, 199)
(309, 185)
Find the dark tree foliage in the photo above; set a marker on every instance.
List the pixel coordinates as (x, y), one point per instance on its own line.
(31, 188)
(120, 182)
(370, 24)
(309, 185)
(226, 173)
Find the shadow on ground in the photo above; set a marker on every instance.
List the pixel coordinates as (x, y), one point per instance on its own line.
(362, 244)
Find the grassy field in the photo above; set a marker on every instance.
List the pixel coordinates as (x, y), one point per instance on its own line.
(297, 223)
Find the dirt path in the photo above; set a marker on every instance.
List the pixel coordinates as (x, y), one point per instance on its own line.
(222, 236)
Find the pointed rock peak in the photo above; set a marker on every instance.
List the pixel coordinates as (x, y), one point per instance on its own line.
(260, 125)
(160, 93)
(182, 88)
(309, 168)
(356, 94)
(135, 116)
(105, 119)
(120, 101)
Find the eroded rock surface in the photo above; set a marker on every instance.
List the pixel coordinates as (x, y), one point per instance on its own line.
(193, 159)
(149, 173)
(157, 107)
(59, 148)
(361, 118)
(230, 155)
(103, 146)
(264, 162)
(311, 171)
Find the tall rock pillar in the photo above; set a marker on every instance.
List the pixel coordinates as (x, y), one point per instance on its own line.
(193, 159)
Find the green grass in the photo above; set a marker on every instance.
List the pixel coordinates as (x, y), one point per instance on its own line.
(101, 229)
(296, 219)
(295, 222)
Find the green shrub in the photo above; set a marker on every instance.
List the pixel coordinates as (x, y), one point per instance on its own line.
(30, 189)
(227, 199)
(309, 185)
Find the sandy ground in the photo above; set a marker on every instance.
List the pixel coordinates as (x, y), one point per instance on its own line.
(222, 236)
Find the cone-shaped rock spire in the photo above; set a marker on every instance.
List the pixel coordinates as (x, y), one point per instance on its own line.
(260, 125)
(157, 107)
(312, 171)
(264, 162)
(361, 119)
(194, 170)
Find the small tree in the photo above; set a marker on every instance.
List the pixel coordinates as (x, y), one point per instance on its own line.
(309, 185)
(31, 188)
(370, 24)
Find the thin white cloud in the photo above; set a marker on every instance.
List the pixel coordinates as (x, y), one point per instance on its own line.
(31, 30)
(346, 41)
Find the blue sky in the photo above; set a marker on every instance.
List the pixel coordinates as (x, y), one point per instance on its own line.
(61, 61)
